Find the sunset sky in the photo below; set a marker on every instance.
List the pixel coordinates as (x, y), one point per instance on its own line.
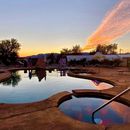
(43, 26)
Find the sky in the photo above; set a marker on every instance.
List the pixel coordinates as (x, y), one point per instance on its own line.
(45, 26)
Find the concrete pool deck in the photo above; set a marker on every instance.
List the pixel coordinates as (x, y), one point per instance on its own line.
(45, 115)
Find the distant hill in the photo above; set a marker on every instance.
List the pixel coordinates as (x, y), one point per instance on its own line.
(41, 55)
(46, 54)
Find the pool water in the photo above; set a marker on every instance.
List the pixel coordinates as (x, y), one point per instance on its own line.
(36, 85)
(82, 108)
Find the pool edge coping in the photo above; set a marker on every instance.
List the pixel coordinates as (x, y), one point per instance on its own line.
(7, 73)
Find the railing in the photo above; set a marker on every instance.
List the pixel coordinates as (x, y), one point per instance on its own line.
(105, 104)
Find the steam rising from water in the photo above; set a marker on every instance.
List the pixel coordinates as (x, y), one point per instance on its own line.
(114, 25)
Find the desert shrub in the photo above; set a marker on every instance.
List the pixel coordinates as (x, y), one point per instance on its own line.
(116, 62)
(94, 62)
(77, 62)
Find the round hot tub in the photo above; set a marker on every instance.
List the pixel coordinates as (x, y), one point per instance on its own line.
(82, 109)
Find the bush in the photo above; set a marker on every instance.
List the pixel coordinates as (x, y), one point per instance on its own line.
(77, 62)
(116, 62)
(94, 62)
(105, 62)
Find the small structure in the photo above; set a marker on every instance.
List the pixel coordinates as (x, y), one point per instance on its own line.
(112, 57)
(99, 56)
(79, 57)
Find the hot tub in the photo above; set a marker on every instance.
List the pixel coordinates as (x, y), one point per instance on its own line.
(82, 108)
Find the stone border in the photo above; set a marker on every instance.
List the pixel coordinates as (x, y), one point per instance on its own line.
(100, 94)
(4, 75)
(111, 92)
(14, 116)
(104, 95)
(91, 77)
(11, 110)
(10, 114)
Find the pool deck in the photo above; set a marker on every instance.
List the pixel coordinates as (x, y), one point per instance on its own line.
(45, 115)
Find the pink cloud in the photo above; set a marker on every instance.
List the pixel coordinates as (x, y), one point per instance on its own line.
(114, 25)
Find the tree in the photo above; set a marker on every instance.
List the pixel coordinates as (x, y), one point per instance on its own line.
(66, 51)
(76, 49)
(52, 58)
(9, 51)
(106, 49)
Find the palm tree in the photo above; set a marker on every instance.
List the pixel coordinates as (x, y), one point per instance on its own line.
(76, 49)
(66, 51)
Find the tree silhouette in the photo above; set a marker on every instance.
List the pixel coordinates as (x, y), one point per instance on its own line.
(66, 51)
(9, 51)
(106, 49)
(76, 49)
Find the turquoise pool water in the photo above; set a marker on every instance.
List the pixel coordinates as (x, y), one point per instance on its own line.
(82, 108)
(36, 85)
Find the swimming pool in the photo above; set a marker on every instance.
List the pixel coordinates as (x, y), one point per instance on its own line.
(82, 108)
(35, 85)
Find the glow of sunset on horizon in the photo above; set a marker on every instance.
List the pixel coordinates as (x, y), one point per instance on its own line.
(48, 26)
(114, 25)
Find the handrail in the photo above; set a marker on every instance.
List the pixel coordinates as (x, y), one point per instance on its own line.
(102, 106)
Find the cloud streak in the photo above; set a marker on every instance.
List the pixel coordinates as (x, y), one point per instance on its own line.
(114, 25)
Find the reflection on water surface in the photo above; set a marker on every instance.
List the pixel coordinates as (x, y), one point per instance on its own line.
(82, 109)
(35, 85)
